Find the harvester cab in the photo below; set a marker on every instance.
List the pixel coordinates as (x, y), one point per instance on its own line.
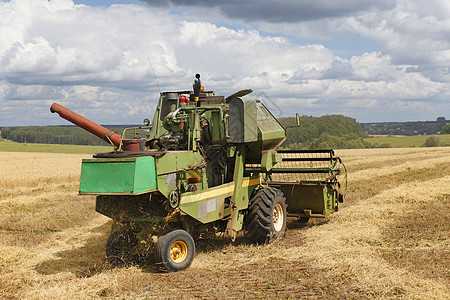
(207, 164)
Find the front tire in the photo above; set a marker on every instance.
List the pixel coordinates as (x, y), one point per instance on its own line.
(175, 251)
(267, 216)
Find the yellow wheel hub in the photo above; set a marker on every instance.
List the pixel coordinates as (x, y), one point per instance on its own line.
(178, 251)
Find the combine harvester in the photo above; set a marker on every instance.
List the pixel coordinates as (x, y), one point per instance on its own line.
(206, 164)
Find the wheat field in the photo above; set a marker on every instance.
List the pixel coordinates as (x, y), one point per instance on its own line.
(389, 240)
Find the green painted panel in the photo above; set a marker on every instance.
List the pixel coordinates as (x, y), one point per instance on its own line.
(216, 126)
(209, 205)
(118, 176)
(173, 161)
(270, 130)
(206, 206)
(145, 175)
(171, 167)
(301, 197)
(317, 200)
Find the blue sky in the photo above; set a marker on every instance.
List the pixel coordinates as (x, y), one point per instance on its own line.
(369, 60)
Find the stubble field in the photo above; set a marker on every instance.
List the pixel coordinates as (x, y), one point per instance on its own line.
(390, 239)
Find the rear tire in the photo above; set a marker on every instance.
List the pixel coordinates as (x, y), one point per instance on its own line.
(266, 218)
(175, 251)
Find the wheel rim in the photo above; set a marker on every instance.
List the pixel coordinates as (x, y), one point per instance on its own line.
(278, 217)
(178, 251)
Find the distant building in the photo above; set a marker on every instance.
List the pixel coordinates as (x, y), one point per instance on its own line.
(405, 128)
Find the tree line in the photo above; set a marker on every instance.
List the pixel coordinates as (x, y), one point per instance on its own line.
(326, 132)
(72, 135)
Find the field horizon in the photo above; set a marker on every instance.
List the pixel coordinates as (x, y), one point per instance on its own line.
(390, 141)
(403, 141)
(10, 146)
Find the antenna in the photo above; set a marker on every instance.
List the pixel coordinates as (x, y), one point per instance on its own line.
(154, 75)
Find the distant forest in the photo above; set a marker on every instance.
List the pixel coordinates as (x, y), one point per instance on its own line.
(333, 131)
(72, 135)
(326, 132)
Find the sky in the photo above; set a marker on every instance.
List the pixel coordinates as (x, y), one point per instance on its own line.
(374, 61)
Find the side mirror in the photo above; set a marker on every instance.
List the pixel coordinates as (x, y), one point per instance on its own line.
(297, 119)
(146, 122)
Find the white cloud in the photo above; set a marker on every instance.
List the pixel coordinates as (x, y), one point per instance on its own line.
(411, 32)
(96, 60)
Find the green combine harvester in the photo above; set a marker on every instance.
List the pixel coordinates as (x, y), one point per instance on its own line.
(205, 165)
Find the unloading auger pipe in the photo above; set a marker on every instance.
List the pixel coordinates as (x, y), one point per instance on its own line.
(98, 130)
